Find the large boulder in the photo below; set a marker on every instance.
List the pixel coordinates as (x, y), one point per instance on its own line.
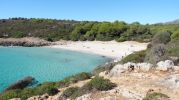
(104, 67)
(171, 81)
(145, 67)
(130, 66)
(27, 81)
(165, 65)
(117, 70)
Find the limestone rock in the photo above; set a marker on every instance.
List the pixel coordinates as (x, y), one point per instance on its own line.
(165, 65)
(145, 67)
(15, 99)
(117, 70)
(130, 66)
(85, 97)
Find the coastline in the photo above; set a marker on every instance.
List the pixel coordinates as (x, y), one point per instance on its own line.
(111, 49)
(25, 42)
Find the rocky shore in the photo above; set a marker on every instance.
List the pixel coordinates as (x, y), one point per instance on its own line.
(26, 42)
(133, 83)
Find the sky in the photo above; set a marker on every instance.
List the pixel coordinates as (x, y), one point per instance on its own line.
(143, 11)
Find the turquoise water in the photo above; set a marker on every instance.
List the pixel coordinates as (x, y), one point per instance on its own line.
(45, 64)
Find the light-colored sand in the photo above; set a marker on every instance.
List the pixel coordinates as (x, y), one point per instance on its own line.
(113, 49)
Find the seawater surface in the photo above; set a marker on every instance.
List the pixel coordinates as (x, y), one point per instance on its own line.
(45, 64)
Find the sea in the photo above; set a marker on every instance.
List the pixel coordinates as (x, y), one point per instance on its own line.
(44, 64)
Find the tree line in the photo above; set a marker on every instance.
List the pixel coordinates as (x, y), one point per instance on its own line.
(54, 30)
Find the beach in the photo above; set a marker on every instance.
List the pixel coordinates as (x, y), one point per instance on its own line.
(112, 49)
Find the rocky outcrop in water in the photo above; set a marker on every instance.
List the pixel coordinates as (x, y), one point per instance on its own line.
(27, 42)
(27, 81)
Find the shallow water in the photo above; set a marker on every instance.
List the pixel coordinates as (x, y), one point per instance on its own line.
(45, 64)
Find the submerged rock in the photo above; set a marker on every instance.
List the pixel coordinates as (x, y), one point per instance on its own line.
(27, 81)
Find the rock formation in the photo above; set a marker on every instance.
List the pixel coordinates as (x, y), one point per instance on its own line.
(27, 81)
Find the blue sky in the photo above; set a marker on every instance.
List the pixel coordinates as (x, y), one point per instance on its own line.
(144, 11)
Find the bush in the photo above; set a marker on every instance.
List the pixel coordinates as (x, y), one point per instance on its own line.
(74, 79)
(9, 95)
(102, 68)
(98, 83)
(161, 38)
(49, 88)
(173, 51)
(156, 53)
(156, 96)
(101, 84)
(52, 91)
(49, 39)
(82, 38)
(70, 91)
(175, 35)
(121, 39)
(18, 35)
(135, 57)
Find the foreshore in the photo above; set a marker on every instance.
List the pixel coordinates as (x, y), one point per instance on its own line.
(112, 49)
(26, 42)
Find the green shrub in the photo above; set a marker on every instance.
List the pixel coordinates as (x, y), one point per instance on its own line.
(48, 87)
(82, 38)
(101, 84)
(9, 95)
(173, 51)
(18, 35)
(49, 39)
(156, 96)
(97, 83)
(156, 53)
(175, 35)
(52, 91)
(75, 78)
(161, 38)
(29, 92)
(70, 91)
(135, 57)
(102, 68)
(121, 39)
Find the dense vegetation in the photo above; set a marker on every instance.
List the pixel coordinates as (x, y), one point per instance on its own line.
(49, 87)
(164, 46)
(156, 96)
(135, 57)
(96, 84)
(53, 30)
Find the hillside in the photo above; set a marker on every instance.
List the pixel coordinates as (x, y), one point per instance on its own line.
(173, 22)
(54, 30)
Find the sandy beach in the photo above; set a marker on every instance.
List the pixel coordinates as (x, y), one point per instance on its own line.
(113, 49)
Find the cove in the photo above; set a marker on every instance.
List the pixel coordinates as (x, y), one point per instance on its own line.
(45, 64)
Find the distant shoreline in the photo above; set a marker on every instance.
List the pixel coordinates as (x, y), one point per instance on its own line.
(111, 49)
(26, 42)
